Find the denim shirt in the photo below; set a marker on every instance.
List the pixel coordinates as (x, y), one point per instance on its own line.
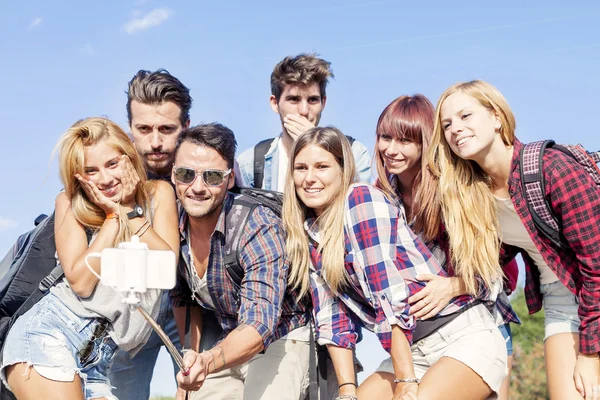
(271, 171)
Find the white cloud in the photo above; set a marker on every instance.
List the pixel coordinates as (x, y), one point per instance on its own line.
(154, 18)
(7, 224)
(37, 21)
(87, 50)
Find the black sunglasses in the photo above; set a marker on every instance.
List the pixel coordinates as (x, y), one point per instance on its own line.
(211, 177)
(88, 345)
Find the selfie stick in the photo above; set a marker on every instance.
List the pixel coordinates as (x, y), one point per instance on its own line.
(140, 286)
(163, 336)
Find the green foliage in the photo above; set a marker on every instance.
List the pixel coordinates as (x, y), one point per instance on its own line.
(531, 331)
(528, 380)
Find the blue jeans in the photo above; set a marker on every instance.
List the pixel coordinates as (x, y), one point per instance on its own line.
(58, 344)
(131, 376)
(507, 334)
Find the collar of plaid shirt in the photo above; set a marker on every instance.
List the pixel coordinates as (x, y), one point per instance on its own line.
(262, 301)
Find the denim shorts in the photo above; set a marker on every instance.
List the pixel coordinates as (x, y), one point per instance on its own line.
(560, 309)
(471, 338)
(59, 344)
(507, 334)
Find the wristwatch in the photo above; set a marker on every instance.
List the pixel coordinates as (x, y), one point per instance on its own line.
(137, 212)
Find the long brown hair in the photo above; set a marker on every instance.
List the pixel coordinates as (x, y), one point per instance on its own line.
(411, 117)
(330, 221)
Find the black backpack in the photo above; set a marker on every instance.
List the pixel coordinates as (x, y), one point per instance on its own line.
(244, 202)
(259, 159)
(27, 272)
(532, 178)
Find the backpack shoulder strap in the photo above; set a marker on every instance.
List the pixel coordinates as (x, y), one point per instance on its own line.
(235, 221)
(532, 179)
(259, 161)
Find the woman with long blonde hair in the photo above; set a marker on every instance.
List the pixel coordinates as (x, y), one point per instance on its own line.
(350, 248)
(404, 131)
(475, 154)
(63, 346)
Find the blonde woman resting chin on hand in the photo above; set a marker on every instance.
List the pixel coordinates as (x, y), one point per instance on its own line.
(63, 346)
(352, 251)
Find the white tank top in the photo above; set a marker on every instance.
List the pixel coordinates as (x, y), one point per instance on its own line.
(513, 232)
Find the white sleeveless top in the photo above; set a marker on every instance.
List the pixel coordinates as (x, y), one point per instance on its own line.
(513, 232)
(128, 328)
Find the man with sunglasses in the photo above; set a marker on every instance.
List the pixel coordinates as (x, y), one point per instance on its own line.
(250, 362)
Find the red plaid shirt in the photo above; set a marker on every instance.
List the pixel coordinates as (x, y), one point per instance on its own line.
(575, 200)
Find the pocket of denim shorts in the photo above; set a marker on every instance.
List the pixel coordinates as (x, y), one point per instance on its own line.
(557, 294)
(57, 309)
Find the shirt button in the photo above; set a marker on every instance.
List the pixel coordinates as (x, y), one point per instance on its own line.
(421, 342)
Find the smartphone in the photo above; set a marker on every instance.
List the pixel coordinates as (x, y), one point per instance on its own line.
(138, 269)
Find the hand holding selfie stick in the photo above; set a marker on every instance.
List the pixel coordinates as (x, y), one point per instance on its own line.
(132, 268)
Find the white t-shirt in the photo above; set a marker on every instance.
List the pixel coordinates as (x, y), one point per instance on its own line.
(282, 168)
(513, 232)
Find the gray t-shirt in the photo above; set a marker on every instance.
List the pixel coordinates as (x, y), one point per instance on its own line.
(128, 328)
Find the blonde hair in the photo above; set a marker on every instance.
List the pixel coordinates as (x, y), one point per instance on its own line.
(71, 160)
(330, 221)
(468, 206)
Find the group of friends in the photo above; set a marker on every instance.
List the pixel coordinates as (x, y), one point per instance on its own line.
(414, 244)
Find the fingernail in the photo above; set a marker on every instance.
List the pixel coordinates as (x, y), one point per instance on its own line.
(186, 372)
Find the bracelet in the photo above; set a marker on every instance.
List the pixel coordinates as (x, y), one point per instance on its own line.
(112, 215)
(407, 380)
(346, 396)
(347, 383)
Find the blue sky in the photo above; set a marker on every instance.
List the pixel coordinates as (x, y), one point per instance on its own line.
(65, 60)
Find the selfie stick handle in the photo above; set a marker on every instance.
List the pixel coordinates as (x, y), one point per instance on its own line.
(163, 336)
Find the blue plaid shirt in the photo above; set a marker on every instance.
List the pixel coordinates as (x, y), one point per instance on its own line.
(262, 300)
(383, 257)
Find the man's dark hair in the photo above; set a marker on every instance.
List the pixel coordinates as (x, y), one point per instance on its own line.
(156, 87)
(212, 135)
(303, 69)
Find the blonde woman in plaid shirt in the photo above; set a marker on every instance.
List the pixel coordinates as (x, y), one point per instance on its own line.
(350, 248)
(475, 153)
